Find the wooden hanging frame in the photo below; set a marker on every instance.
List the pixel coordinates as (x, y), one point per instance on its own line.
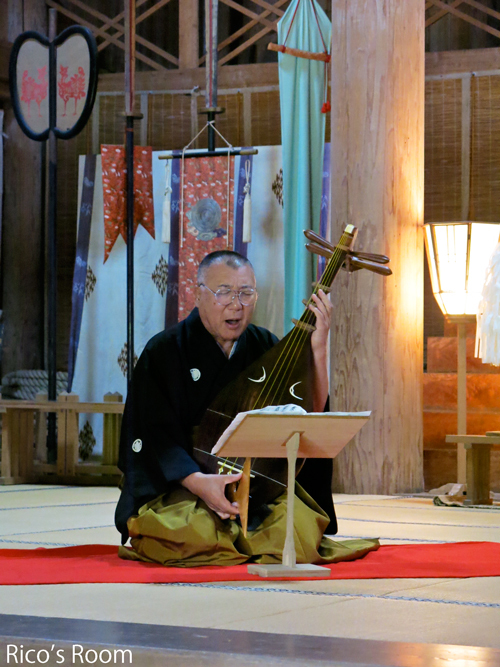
(298, 53)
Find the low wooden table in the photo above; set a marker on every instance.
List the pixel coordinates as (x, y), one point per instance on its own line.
(478, 451)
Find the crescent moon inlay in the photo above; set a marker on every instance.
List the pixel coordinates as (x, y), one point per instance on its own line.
(292, 392)
(260, 379)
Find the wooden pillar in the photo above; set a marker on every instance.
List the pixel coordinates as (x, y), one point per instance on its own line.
(188, 34)
(378, 185)
(23, 238)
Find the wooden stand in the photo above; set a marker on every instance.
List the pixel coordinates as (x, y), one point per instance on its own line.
(321, 435)
(478, 450)
(289, 567)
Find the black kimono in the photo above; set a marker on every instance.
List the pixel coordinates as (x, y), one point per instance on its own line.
(176, 378)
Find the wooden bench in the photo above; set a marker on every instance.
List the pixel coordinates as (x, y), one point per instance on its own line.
(478, 451)
(24, 448)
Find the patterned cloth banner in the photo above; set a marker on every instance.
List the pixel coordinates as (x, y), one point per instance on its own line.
(101, 356)
(114, 174)
(86, 198)
(202, 221)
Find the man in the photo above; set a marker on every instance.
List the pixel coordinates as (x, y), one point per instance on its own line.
(179, 374)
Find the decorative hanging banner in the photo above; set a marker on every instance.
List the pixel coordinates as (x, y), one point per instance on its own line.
(306, 27)
(53, 84)
(81, 273)
(205, 218)
(206, 222)
(114, 185)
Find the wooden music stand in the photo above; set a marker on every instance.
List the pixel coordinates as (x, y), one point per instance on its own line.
(274, 435)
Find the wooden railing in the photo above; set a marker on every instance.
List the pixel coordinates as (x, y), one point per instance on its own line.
(24, 451)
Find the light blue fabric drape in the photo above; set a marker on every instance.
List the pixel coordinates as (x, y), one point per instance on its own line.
(302, 138)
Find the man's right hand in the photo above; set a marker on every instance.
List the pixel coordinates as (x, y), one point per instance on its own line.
(211, 489)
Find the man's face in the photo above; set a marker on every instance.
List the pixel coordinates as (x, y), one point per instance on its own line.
(225, 323)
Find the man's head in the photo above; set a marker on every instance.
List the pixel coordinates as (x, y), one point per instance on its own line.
(225, 279)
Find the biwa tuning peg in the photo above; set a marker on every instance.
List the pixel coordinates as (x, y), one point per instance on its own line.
(355, 263)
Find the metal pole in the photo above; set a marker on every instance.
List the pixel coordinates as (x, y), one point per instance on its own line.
(129, 160)
(129, 157)
(52, 244)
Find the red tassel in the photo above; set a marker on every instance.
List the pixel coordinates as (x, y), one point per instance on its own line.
(326, 107)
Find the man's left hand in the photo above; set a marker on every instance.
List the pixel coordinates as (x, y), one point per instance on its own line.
(322, 308)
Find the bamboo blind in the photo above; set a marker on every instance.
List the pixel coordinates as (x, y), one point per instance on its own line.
(111, 122)
(265, 114)
(443, 150)
(485, 148)
(444, 101)
(169, 121)
(230, 123)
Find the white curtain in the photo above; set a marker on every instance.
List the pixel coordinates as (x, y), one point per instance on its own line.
(100, 366)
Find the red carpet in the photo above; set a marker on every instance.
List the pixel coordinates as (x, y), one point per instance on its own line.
(97, 563)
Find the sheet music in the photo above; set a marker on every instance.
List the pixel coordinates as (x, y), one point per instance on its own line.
(289, 409)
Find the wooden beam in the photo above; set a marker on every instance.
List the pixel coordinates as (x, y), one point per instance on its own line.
(120, 29)
(102, 33)
(243, 30)
(22, 232)
(439, 14)
(231, 76)
(189, 45)
(156, 49)
(118, 18)
(115, 23)
(5, 48)
(272, 8)
(154, 8)
(466, 17)
(441, 63)
(248, 12)
(482, 8)
(245, 45)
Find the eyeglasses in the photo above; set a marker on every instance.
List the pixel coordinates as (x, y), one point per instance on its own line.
(225, 296)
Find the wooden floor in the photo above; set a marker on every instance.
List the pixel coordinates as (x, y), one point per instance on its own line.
(82, 641)
(407, 622)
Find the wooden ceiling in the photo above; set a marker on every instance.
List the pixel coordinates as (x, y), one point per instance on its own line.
(170, 32)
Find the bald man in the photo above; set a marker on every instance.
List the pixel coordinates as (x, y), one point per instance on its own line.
(179, 373)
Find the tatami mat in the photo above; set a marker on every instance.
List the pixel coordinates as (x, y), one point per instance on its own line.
(450, 611)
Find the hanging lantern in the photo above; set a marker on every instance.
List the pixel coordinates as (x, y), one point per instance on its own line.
(458, 255)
